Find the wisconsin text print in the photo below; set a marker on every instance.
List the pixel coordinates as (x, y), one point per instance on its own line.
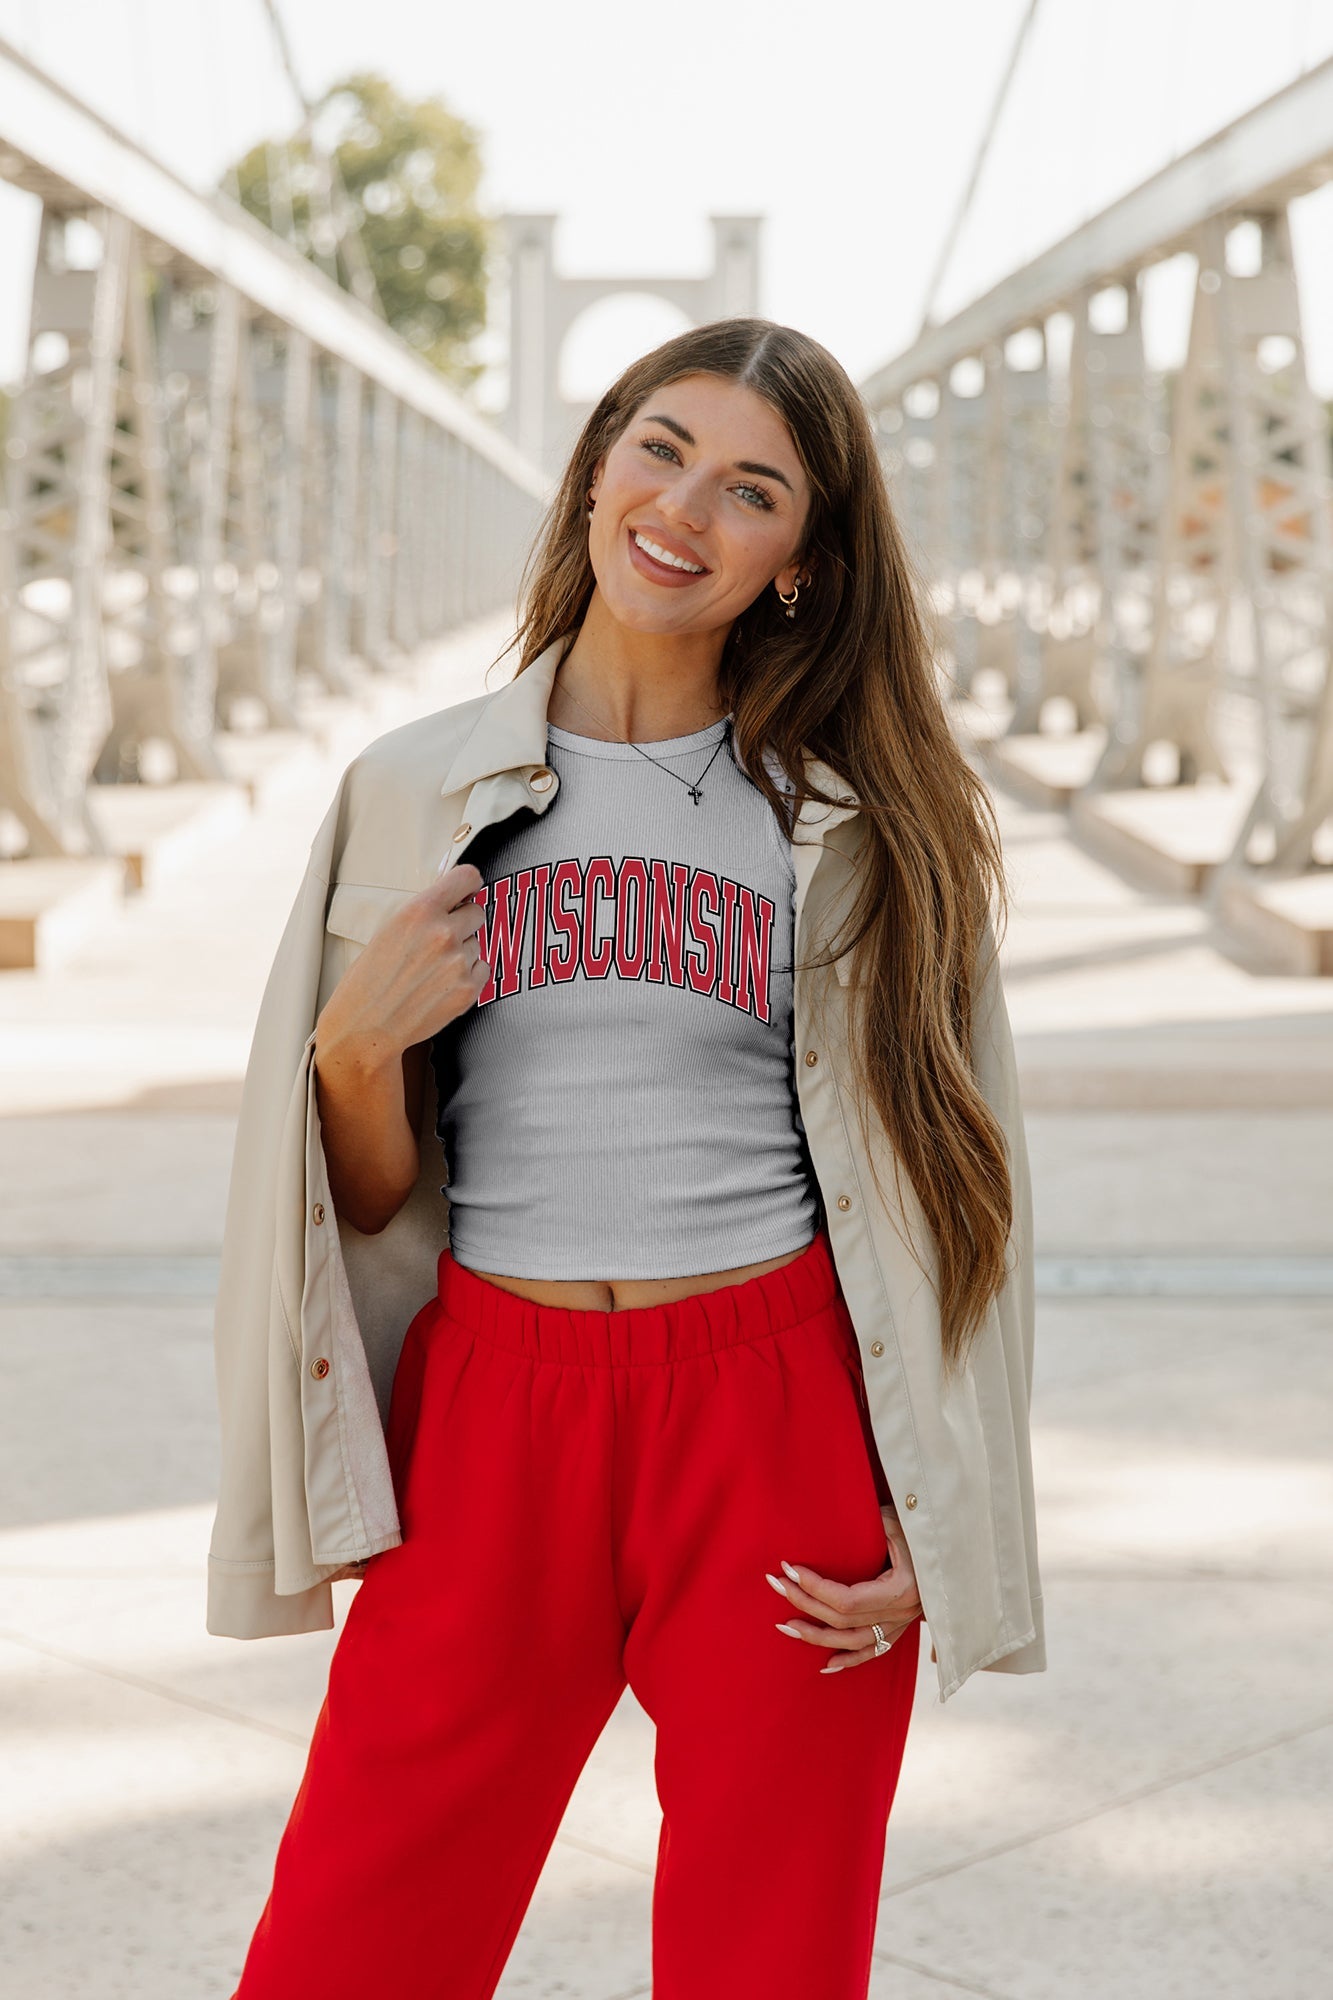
(642, 919)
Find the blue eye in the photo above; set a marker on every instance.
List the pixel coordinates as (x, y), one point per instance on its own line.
(761, 499)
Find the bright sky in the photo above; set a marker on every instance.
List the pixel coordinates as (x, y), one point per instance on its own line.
(850, 126)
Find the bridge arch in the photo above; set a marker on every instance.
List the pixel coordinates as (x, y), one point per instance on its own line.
(610, 333)
(550, 315)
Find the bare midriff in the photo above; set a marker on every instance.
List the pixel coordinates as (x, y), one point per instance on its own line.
(618, 1294)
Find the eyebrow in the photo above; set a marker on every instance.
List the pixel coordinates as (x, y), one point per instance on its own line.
(742, 464)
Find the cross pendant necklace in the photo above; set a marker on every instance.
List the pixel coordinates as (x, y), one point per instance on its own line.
(692, 788)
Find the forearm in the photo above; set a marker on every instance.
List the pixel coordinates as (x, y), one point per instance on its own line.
(370, 1148)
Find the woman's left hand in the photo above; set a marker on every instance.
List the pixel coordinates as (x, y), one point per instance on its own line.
(846, 1611)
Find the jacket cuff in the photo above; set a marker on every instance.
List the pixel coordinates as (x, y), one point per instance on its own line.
(242, 1604)
(1029, 1659)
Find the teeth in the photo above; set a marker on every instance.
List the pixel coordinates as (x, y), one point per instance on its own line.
(660, 555)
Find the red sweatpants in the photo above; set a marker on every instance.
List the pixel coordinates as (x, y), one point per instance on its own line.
(590, 1498)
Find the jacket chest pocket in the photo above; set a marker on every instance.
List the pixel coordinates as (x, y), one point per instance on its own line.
(356, 911)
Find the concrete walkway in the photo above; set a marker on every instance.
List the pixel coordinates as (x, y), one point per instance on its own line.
(1149, 1818)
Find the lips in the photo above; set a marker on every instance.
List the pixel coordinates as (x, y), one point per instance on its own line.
(665, 543)
(661, 573)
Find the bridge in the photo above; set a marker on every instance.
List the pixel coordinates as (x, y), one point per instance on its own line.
(229, 486)
(246, 530)
(1159, 568)
(225, 476)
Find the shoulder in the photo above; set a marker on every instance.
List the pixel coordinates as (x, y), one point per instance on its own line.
(776, 770)
(385, 817)
(419, 751)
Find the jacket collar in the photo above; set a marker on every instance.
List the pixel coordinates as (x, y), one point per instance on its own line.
(510, 735)
(510, 732)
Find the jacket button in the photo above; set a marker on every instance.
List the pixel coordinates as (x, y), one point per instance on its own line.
(464, 830)
(542, 781)
(319, 1369)
(909, 1499)
(317, 1212)
(844, 1202)
(877, 1347)
(811, 1058)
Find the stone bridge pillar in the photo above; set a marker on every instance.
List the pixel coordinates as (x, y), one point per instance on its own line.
(543, 306)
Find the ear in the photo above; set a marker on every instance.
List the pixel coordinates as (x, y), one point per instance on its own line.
(800, 570)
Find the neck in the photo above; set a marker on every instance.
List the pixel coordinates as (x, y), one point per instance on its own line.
(640, 686)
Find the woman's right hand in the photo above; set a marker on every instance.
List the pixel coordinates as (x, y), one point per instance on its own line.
(419, 971)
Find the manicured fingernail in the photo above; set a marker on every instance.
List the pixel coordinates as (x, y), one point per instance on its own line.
(791, 1572)
(791, 1631)
(777, 1584)
(833, 1667)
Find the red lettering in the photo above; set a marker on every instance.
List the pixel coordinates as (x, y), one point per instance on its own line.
(703, 889)
(506, 935)
(631, 950)
(565, 922)
(541, 876)
(666, 923)
(483, 896)
(756, 931)
(597, 875)
(725, 989)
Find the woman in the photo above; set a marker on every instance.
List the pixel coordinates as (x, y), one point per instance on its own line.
(720, 956)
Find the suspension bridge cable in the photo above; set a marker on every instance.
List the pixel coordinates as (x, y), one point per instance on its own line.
(983, 150)
(338, 202)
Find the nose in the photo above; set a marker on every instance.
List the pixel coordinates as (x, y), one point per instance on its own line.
(685, 500)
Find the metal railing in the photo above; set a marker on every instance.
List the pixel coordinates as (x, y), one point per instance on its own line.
(1165, 562)
(225, 478)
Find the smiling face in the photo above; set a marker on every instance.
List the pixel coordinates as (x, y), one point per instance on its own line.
(700, 504)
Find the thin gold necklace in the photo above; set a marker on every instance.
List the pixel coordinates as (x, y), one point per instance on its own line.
(692, 789)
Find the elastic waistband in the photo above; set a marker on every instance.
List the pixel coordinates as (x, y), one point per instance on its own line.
(594, 1336)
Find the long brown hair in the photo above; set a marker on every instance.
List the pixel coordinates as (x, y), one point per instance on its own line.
(852, 680)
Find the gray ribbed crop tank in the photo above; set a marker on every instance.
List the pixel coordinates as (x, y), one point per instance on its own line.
(620, 1101)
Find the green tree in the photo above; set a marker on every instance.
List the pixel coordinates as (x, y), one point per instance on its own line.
(410, 169)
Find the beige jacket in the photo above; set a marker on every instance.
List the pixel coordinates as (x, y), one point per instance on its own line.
(311, 1314)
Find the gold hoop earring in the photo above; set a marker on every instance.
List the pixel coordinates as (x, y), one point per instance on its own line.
(790, 602)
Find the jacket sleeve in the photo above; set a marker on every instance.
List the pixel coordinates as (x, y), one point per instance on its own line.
(241, 1599)
(996, 1069)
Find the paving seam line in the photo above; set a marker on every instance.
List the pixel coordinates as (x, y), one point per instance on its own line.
(1157, 1785)
(145, 1686)
(957, 1981)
